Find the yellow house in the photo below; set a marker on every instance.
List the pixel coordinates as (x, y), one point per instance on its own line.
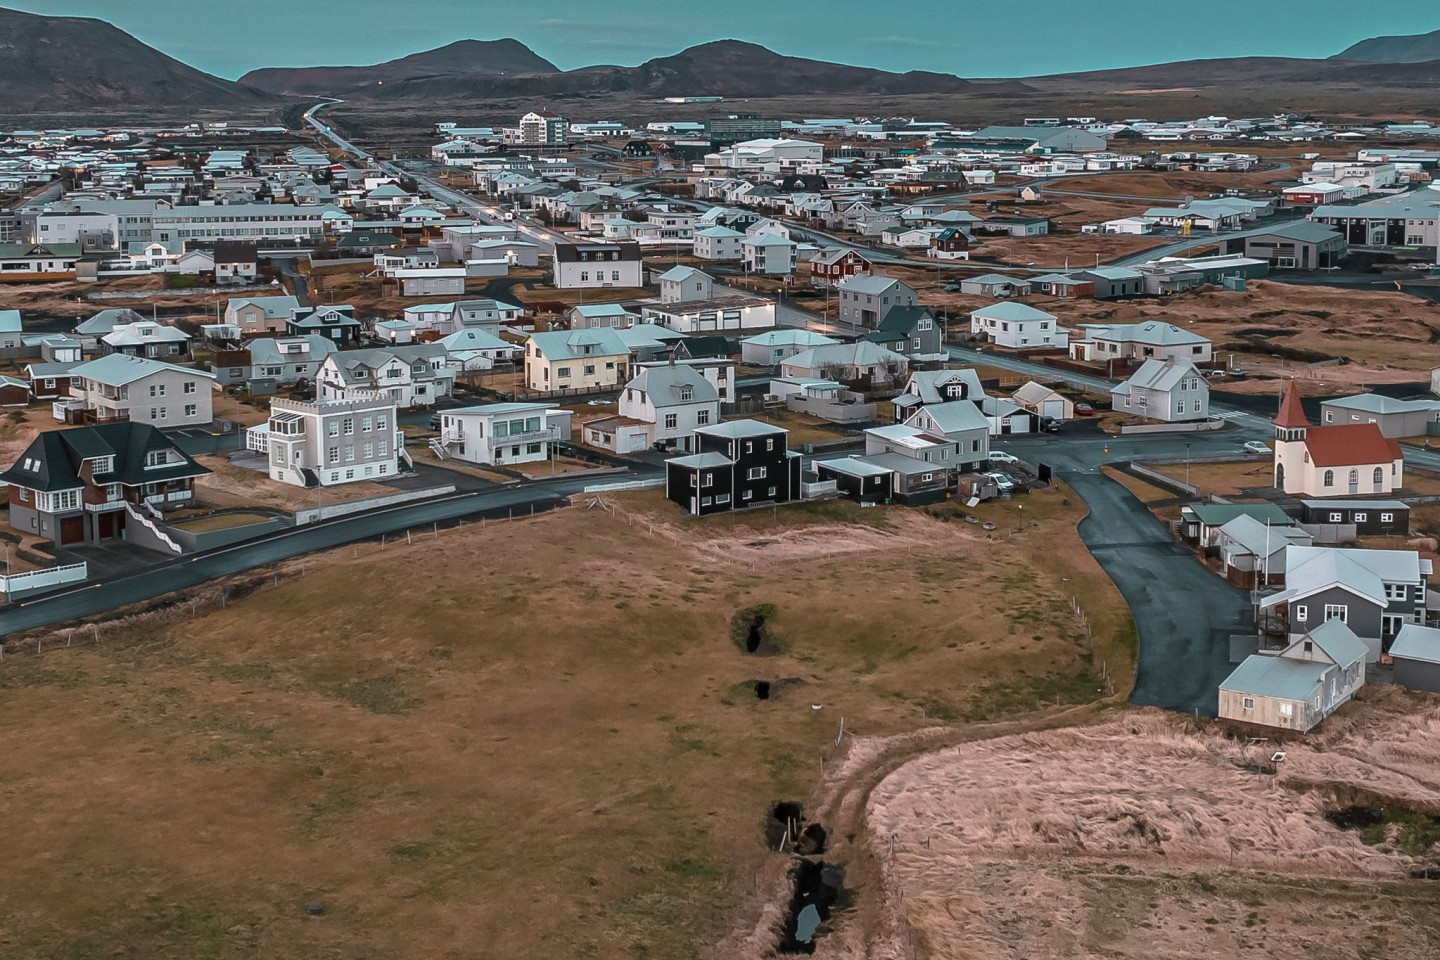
(576, 361)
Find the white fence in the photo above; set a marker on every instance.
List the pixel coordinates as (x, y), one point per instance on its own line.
(821, 488)
(33, 580)
(655, 484)
(330, 511)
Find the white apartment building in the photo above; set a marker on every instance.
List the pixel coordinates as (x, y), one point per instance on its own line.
(719, 243)
(118, 387)
(330, 442)
(239, 221)
(498, 433)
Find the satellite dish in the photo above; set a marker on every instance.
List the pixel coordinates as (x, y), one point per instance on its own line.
(1278, 756)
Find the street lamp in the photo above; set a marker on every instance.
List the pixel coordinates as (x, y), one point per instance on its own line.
(1187, 464)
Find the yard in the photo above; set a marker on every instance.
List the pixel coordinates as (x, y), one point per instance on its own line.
(1234, 477)
(545, 751)
(803, 428)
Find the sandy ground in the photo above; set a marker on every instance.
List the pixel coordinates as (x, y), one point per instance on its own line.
(1141, 837)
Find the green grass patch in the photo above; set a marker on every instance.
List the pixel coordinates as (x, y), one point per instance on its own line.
(383, 695)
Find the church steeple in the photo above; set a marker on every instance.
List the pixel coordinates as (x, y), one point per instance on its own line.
(1291, 422)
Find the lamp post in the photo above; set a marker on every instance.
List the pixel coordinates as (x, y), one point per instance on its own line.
(1187, 464)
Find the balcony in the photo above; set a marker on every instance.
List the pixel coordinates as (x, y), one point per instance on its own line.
(533, 437)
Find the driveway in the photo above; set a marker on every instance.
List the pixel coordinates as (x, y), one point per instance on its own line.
(1183, 613)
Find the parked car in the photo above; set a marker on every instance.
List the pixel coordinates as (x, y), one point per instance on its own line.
(1083, 409)
(434, 421)
(1000, 456)
(1003, 481)
(1051, 425)
(1257, 446)
(952, 288)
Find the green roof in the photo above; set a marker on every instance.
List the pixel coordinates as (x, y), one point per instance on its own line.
(1219, 514)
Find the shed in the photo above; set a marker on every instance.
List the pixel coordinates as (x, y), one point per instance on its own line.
(1416, 652)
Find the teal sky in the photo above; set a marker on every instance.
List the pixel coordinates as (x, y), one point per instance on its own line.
(964, 37)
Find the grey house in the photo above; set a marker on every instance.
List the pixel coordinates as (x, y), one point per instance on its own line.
(1113, 282)
(1375, 592)
(1416, 652)
(912, 332)
(865, 299)
(1302, 245)
(1395, 418)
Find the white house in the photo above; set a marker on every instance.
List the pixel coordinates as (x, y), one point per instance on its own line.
(768, 349)
(847, 361)
(681, 284)
(663, 404)
(1141, 341)
(1171, 391)
(719, 243)
(720, 315)
(1342, 459)
(120, 387)
(415, 375)
(330, 442)
(768, 254)
(576, 360)
(493, 434)
(1018, 325)
(598, 265)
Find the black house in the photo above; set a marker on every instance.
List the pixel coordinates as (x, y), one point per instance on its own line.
(1371, 518)
(738, 464)
(638, 148)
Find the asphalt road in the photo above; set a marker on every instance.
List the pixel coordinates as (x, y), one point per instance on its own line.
(187, 572)
(1183, 613)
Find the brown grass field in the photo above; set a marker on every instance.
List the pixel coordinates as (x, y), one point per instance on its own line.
(1143, 837)
(557, 755)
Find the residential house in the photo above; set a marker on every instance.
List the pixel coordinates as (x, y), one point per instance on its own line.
(578, 266)
(768, 254)
(49, 381)
(857, 478)
(848, 362)
(1136, 342)
(415, 375)
(259, 315)
(1252, 553)
(11, 330)
(590, 316)
(995, 285)
(719, 315)
(923, 466)
(288, 360)
(1171, 391)
(685, 284)
(661, 406)
(937, 386)
(91, 330)
(575, 360)
(768, 349)
(1007, 417)
(912, 332)
(31, 262)
(337, 323)
(1395, 418)
(499, 434)
(1200, 523)
(1375, 592)
(1335, 520)
(84, 485)
(738, 464)
(121, 387)
(1306, 682)
(235, 262)
(1416, 655)
(866, 299)
(397, 332)
(961, 423)
(473, 348)
(951, 243)
(719, 243)
(1354, 459)
(1110, 283)
(330, 442)
(489, 315)
(1044, 401)
(830, 267)
(1018, 326)
(147, 339)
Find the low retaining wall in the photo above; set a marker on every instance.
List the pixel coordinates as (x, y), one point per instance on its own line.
(1198, 426)
(17, 585)
(331, 511)
(1164, 480)
(195, 542)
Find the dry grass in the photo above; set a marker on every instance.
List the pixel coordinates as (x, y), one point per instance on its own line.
(802, 427)
(221, 521)
(1142, 837)
(229, 485)
(1145, 492)
(1225, 479)
(67, 298)
(546, 751)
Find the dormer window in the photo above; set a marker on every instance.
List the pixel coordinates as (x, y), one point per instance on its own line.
(687, 393)
(157, 458)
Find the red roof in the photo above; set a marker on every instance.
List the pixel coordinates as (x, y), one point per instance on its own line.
(1291, 413)
(1350, 445)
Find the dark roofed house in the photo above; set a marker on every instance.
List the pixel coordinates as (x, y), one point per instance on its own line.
(912, 332)
(84, 485)
(236, 262)
(707, 348)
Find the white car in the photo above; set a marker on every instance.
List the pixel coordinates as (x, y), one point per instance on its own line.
(1000, 456)
(1256, 446)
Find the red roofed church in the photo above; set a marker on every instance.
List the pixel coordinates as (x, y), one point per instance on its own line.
(1344, 460)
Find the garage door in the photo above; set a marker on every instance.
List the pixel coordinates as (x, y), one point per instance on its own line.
(1055, 409)
(72, 530)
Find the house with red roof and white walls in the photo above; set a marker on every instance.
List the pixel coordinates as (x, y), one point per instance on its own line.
(1333, 460)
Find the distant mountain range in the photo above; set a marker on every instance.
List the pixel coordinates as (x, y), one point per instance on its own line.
(723, 68)
(76, 63)
(1411, 49)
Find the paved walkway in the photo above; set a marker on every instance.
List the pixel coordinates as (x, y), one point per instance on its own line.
(1183, 613)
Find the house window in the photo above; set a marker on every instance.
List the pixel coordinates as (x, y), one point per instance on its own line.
(367, 451)
(1337, 611)
(1329, 479)
(24, 495)
(1302, 613)
(756, 473)
(769, 444)
(1394, 591)
(349, 474)
(332, 455)
(702, 417)
(365, 423)
(1354, 475)
(333, 428)
(1287, 709)
(349, 426)
(189, 386)
(671, 421)
(1336, 517)
(1379, 475)
(1247, 703)
(1387, 518)
(1360, 517)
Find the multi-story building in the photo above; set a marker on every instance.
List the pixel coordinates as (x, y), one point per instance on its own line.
(147, 338)
(256, 315)
(865, 299)
(118, 387)
(598, 265)
(538, 128)
(768, 254)
(498, 433)
(575, 360)
(1172, 391)
(330, 442)
(662, 405)
(719, 243)
(738, 464)
(413, 375)
(84, 485)
(239, 221)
